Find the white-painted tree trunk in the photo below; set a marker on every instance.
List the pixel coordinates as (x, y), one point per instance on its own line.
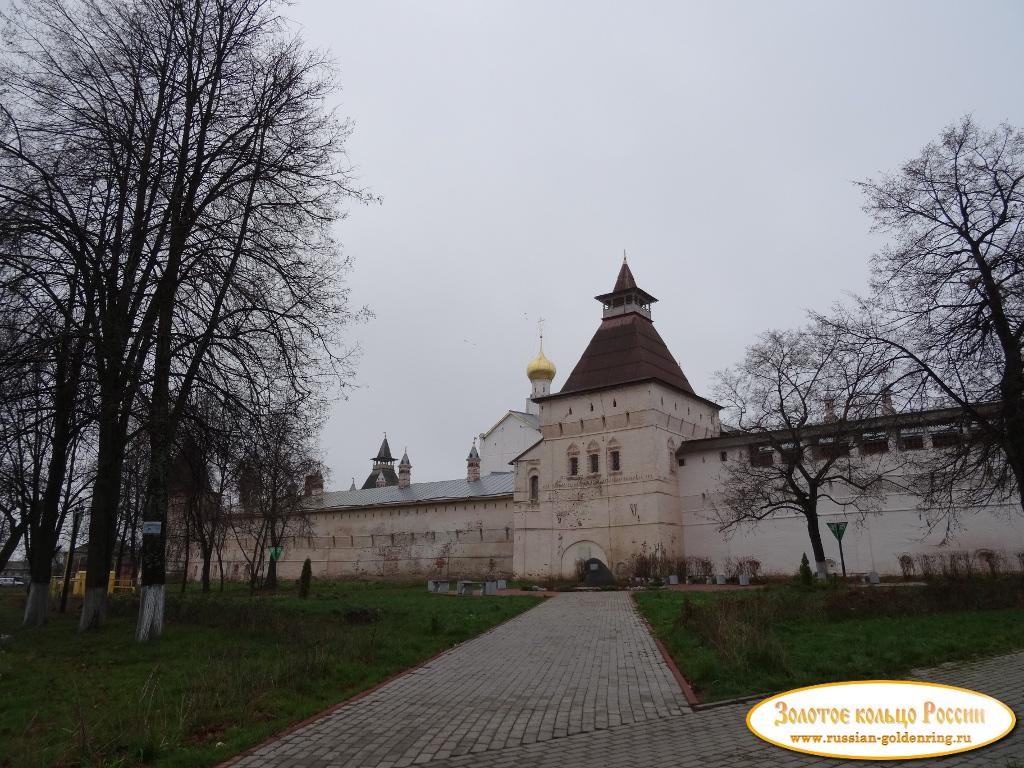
(37, 607)
(822, 570)
(151, 613)
(94, 609)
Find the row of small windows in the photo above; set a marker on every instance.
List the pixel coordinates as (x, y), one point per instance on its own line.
(593, 458)
(870, 443)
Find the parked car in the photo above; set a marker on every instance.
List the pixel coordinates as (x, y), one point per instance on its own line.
(12, 581)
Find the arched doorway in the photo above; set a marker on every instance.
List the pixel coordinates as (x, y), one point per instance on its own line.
(581, 550)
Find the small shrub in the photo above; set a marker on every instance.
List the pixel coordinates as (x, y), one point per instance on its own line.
(1020, 559)
(751, 567)
(992, 561)
(650, 563)
(305, 578)
(731, 566)
(906, 561)
(581, 570)
(957, 565)
(930, 565)
(806, 577)
(699, 568)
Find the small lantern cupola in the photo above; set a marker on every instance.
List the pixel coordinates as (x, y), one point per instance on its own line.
(626, 297)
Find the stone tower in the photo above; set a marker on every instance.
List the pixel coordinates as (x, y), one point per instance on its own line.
(383, 472)
(602, 481)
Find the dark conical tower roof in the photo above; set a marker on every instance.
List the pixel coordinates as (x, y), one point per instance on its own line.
(625, 281)
(384, 453)
(626, 347)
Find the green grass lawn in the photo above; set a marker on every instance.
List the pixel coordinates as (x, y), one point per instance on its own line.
(229, 671)
(752, 649)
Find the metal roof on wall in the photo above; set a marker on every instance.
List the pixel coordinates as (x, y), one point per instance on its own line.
(494, 484)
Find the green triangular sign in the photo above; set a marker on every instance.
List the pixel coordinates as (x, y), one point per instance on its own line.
(276, 552)
(838, 529)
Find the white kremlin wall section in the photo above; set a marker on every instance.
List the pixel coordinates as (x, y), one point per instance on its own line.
(464, 538)
(872, 542)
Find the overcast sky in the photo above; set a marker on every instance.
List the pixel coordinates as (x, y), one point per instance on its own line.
(519, 147)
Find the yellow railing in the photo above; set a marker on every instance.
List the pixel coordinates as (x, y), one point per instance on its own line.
(115, 586)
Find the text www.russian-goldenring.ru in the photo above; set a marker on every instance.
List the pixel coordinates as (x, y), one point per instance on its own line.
(948, 739)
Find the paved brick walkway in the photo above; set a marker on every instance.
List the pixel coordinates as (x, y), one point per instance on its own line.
(577, 681)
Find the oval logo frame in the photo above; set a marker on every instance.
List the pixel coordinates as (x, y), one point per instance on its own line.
(881, 720)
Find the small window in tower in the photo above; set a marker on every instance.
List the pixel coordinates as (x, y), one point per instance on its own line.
(615, 461)
(591, 407)
(595, 466)
(723, 455)
(574, 465)
(534, 489)
(682, 461)
(614, 404)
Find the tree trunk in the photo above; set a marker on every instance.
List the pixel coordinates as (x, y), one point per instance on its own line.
(102, 521)
(151, 613)
(38, 603)
(11, 544)
(816, 546)
(271, 582)
(207, 561)
(76, 522)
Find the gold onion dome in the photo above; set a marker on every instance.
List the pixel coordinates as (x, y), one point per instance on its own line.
(540, 367)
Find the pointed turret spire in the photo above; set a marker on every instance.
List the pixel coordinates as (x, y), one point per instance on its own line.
(384, 452)
(405, 471)
(473, 464)
(626, 347)
(383, 468)
(353, 486)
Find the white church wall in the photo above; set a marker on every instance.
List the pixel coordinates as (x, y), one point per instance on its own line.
(506, 440)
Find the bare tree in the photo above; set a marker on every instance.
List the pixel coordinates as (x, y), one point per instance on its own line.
(40, 412)
(277, 457)
(181, 154)
(947, 300)
(209, 446)
(800, 400)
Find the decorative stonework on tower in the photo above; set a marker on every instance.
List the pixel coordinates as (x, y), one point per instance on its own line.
(473, 464)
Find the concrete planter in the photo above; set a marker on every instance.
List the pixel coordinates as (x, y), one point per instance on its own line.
(744, 580)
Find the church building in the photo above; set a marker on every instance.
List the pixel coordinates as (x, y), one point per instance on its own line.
(624, 459)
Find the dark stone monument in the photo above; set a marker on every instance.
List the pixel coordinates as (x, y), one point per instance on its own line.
(597, 574)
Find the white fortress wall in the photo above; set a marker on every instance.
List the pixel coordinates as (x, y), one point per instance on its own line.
(460, 538)
(872, 541)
